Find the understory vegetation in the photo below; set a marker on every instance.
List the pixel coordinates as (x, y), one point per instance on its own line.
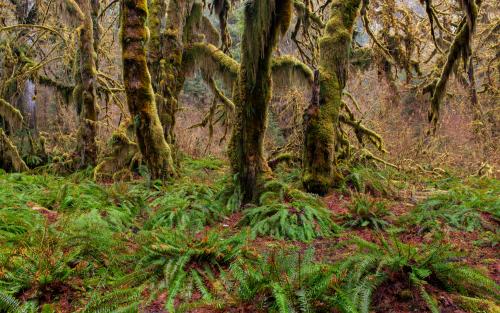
(249, 156)
(69, 244)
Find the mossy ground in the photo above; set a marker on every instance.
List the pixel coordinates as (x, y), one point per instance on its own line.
(69, 244)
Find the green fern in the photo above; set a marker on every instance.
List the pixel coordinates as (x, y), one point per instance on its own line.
(459, 207)
(288, 282)
(192, 262)
(364, 212)
(374, 265)
(288, 213)
(9, 304)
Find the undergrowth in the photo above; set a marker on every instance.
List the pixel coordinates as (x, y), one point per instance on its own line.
(289, 213)
(393, 262)
(69, 244)
(460, 205)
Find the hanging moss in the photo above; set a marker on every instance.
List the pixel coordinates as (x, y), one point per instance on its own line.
(264, 22)
(140, 96)
(288, 70)
(12, 115)
(211, 34)
(9, 156)
(212, 61)
(222, 8)
(461, 47)
(322, 116)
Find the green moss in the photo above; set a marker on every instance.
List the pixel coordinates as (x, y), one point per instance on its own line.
(140, 96)
(9, 155)
(322, 116)
(212, 61)
(12, 115)
(264, 22)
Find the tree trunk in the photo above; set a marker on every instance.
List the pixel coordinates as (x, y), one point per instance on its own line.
(139, 91)
(322, 116)
(87, 97)
(173, 77)
(263, 22)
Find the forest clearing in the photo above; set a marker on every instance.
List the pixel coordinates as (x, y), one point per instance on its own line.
(249, 156)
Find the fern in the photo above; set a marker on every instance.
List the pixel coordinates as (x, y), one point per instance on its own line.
(364, 212)
(459, 207)
(190, 263)
(9, 304)
(286, 282)
(288, 213)
(189, 206)
(373, 265)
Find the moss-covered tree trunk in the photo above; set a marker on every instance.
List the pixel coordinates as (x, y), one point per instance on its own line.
(139, 91)
(158, 10)
(86, 95)
(173, 77)
(264, 20)
(322, 116)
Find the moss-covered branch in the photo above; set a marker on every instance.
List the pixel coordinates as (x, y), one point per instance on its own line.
(9, 156)
(460, 47)
(12, 115)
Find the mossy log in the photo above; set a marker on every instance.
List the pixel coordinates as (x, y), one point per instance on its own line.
(139, 91)
(322, 116)
(264, 21)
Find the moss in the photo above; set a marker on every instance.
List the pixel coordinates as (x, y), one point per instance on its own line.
(212, 61)
(85, 91)
(287, 70)
(322, 116)
(212, 36)
(158, 10)
(140, 96)
(461, 47)
(264, 22)
(9, 155)
(12, 115)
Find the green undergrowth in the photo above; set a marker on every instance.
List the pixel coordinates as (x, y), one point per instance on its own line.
(69, 244)
(414, 267)
(288, 213)
(461, 204)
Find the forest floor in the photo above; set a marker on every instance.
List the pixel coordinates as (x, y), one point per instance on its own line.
(414, 243)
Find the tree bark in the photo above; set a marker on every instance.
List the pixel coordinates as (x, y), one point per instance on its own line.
(86, 95)
(322, 116)
(139, 91)
(264, 20)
